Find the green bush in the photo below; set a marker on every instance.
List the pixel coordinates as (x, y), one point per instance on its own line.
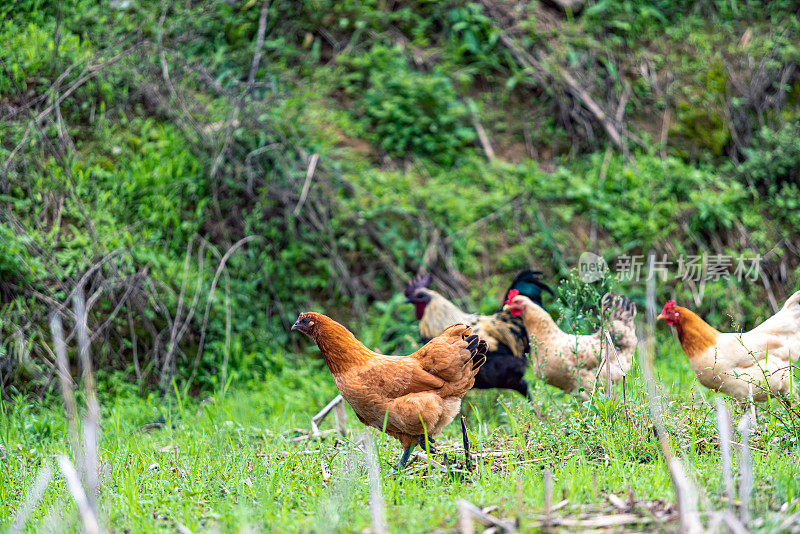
(405, 111)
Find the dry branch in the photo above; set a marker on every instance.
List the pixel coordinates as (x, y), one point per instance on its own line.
(746, 469)
(475, 512)
(543, 77)
(91, 423)
(322, 414)
(223, 261)
(88, 518)
(376, 506)
(32, 498)
(685, 492)
(65, 381)
(724, 429)
(312, 165)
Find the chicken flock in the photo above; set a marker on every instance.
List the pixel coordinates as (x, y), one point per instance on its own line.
(412, 398)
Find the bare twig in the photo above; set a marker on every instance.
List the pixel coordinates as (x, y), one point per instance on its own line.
(90, 524)
(91, 423)
(684, 489)
(341, 422)
(746, 471)
(483, 517)
(772, 301)
(223, 261)
(482, 137)
(312, 164)
(724, 429)
(376, 505)
(262, 28)
(65, 380)
(232, 119)
(548, 497)
(465, 518)
(32, 498)
(322, 414)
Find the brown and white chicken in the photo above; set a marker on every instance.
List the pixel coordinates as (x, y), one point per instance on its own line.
(571, 362)
(755, 363)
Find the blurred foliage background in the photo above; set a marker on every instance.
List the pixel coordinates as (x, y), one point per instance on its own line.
(203, 170)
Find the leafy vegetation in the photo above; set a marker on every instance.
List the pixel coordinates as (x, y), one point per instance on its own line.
(202, 171)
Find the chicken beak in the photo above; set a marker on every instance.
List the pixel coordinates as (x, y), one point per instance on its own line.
(660, 316)
(296, 325)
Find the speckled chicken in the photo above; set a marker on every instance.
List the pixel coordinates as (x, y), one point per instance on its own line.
(421, 393)
(569, 361)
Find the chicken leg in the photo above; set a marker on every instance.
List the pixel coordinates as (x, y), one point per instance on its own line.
(404, 457)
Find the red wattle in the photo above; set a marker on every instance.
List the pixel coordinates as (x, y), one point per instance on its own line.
(420, 309)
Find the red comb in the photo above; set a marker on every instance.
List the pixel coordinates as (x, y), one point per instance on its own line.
(668, 305)
(511, 295)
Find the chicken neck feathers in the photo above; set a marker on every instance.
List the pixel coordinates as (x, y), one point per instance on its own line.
(695, 335)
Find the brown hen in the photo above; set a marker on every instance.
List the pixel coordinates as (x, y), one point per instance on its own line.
(415, 395)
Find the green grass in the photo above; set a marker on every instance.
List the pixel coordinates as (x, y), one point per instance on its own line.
(231, 461)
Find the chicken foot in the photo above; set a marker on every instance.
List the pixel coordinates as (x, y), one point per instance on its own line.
(429, 447)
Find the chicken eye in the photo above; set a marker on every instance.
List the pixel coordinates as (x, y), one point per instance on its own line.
(310, 323)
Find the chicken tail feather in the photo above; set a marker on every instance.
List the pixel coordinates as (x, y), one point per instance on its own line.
(477, 348)
(618, 308)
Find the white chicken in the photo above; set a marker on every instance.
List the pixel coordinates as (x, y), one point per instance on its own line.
(755, 363)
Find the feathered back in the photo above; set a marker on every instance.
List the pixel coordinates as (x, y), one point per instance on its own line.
(793, 301)
(529, 283)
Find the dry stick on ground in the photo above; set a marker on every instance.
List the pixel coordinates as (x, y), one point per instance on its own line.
(465, 522)
(746, 469)
(482, 137)
(85, 455)
(322, 414)
(476, 513)
(724, 429)
(32, 498)
(376, 506)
